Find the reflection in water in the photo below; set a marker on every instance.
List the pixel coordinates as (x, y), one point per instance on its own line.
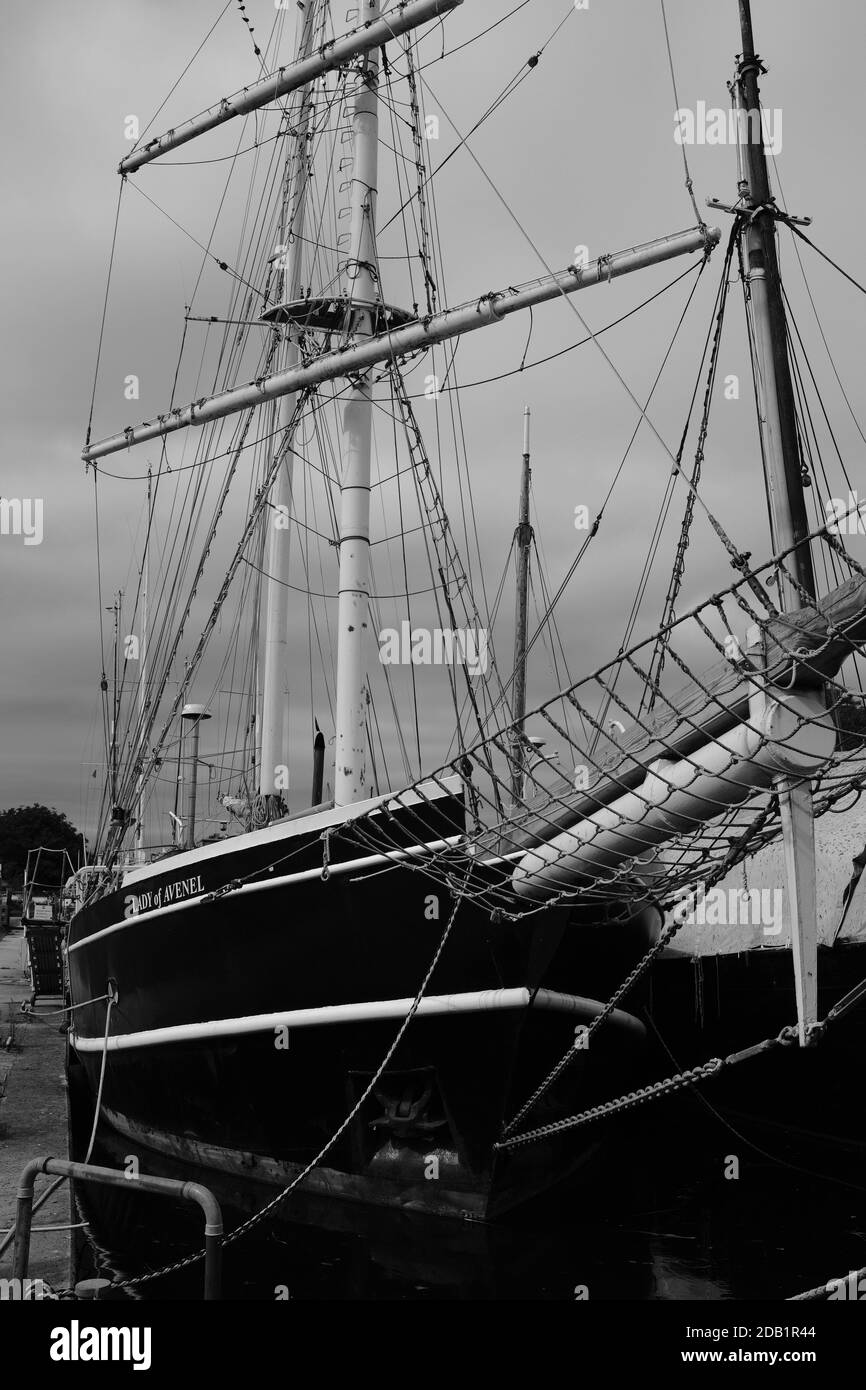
(660, 1220)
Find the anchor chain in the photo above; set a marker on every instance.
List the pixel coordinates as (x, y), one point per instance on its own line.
(628, 983)
(632, 979)
(786, 1038)
(610, 1107)
(326, 855)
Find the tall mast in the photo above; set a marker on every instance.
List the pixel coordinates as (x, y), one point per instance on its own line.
(778, 422)
(142, 676)
(274, 659)
(362, 292)
(787, 508)
(523, 543)
(112, 773)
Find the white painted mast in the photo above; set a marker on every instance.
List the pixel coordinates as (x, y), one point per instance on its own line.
(274, 656)
(361, 289)
(142, 679)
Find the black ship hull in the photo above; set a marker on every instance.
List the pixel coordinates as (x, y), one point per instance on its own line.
(248, 1024)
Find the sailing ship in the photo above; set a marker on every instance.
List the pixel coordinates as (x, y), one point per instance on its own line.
(404, 992)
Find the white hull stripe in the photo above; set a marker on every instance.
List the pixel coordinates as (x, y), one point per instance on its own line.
(475, 1001)
(347, 866)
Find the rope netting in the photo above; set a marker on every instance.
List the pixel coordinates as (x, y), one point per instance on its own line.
(656, 800)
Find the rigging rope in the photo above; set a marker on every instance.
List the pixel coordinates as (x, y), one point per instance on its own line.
(737, 559)
(669, 609)
(828, 259)
(183, 74)
(104, 312)
(510, 87)
(137, 769)
(689, 184)
(594, 529)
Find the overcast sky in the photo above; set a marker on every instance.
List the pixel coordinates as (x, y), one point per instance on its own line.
(584, 152)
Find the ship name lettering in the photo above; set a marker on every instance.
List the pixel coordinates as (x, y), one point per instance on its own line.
(183, 888)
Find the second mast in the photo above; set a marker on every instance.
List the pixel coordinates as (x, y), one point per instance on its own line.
(361, 282)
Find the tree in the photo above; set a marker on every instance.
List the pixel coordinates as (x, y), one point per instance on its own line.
(23, 828)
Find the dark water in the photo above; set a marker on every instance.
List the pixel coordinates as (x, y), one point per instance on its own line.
(658, 1220)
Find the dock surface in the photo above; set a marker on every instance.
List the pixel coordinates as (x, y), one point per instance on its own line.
(33, 1112)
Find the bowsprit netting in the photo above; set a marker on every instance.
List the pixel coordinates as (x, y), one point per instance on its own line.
(654, 803)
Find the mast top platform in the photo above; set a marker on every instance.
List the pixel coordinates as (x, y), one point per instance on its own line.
(336, 314)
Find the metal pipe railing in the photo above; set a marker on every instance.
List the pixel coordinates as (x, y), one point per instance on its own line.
(113, 1177)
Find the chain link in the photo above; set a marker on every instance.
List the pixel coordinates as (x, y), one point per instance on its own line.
(628, 983)
(627, 1102)
(786, 1038)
